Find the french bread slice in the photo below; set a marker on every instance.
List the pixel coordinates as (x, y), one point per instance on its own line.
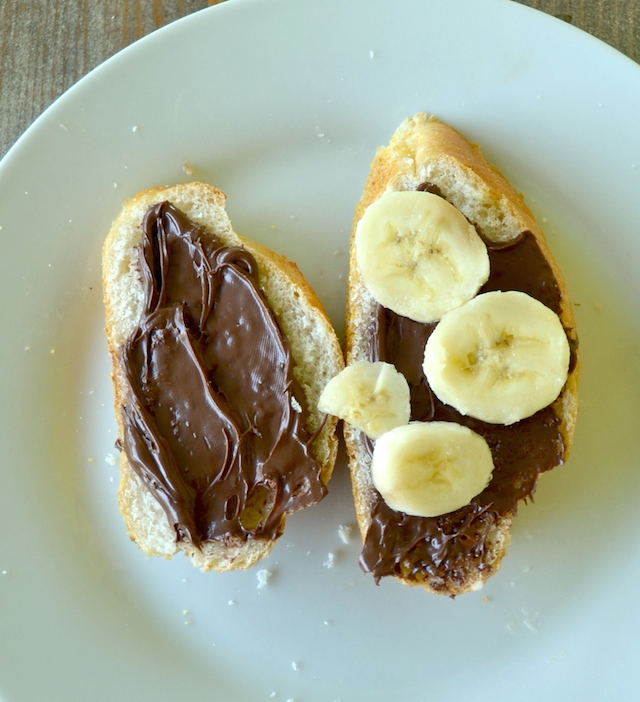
(314, 348)
(426, 153)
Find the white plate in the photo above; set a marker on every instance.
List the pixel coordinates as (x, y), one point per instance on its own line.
(281, 104)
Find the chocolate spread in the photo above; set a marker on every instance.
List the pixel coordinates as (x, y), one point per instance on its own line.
(214, 421)
(443, 547)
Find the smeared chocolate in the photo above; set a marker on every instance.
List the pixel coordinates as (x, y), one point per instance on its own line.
(215, 423)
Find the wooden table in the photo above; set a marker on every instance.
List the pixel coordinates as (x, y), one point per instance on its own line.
(47, 45)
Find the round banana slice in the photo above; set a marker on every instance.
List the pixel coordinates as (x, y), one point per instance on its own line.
(418, 255)
(373, 397)
(499, 358)
(426, 469)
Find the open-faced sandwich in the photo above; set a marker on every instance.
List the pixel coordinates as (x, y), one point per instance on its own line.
(462, 361)
(220, 350)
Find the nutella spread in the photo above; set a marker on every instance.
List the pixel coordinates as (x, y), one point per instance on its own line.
(214, 423)
(443, 546)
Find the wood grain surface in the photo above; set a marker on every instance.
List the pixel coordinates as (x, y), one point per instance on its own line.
(47, 45)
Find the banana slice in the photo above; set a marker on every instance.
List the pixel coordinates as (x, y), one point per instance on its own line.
(426, 469)
(418, 255)
(499, 358)
(373, 397)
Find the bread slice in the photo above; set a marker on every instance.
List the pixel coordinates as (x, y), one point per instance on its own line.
(314, 347)
(428, 154)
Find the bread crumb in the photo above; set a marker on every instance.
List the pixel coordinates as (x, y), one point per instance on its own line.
(185, 611)
(231, 603)
(110, 459)
(345, 532)
(330, 562)
(530, 619)
(264, 576)
(91, 460)
(295, 405)
(134, 129)
(188, 168)
(64, 127)
(294, 665)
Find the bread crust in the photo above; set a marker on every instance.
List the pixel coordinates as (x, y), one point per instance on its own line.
(424, 149)
(314, 345)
